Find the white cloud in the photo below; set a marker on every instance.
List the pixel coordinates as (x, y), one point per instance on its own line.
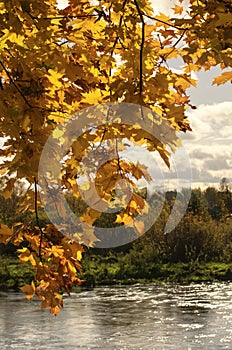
(209, 146)
(62, 4)
(165, 6)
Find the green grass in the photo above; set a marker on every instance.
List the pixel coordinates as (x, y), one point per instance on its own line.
(14, 274)
(116, 272)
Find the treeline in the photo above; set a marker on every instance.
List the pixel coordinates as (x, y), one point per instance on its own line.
(203, 236)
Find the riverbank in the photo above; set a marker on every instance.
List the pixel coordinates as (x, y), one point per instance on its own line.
(109, 272)
(14, 274)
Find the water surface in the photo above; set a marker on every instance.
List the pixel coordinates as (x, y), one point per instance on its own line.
(124, 317)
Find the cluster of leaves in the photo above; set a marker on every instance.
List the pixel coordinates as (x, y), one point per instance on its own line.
(55, 62)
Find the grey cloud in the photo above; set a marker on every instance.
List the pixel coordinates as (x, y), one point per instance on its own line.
(216, 164)
(197, 154)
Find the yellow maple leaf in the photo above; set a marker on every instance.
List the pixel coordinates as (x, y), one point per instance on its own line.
(90, 215)
(162, 17)
(79, 255)
(55, 310)
(57, 133)
(222, 79)
(54, 78)
(26, 256)
(93, 97)
(178, 10)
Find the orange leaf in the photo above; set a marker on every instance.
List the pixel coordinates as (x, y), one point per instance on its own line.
(29, 290)
(222, 79)
(178, 10)
(5, 233)
(55, 310)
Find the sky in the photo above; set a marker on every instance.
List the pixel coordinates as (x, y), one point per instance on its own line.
(208, 146)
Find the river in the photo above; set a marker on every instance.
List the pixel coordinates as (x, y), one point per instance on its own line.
(159, 317)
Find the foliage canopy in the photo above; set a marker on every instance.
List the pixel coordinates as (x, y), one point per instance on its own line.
(55, 62)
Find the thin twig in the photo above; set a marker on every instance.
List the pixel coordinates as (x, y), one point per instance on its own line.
(63, 17)
(141, 48)
(53, 197)
(33, 19)
(119, 26)
(166, 23)
(105, 128)
(16, 87)
(115, 43)
(37, 220)
(118, 159)
(173, 48)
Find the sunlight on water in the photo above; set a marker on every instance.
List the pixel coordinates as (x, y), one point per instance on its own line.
(124, 317)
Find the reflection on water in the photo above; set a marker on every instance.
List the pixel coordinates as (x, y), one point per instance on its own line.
(125, 317)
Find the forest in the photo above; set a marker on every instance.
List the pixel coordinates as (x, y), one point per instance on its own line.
(198, 249)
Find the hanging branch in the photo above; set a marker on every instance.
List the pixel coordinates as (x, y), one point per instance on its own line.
(160, 21)
(141, 48)
(37, 219)
(16, 87)
(116, 41)
(163, 58)
(141, 55)
(24, 98)
(119, 26)
(105, 129)
(118, 159)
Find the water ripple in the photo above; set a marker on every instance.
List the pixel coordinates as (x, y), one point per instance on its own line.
(162, 317)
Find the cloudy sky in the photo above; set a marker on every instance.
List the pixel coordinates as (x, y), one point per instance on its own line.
(208, 146)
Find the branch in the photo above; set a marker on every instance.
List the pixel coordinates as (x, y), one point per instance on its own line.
(141, 48)
(52, 196)
(118, 159)
(105, 128)
(37, 220)
(17, 88)
(115, 41)
(120, 24)
(173, 48)
(61, 17)
(160, 21)
(22, 95)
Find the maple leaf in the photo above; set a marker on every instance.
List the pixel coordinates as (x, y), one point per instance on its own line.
(93, 97)
(54, 78)
(5, 233)
(29, 290)
(224, 78)
(178, 9)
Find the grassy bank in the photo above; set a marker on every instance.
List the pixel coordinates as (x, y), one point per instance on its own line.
(99, 271)
(106, 271)
(14, 274)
